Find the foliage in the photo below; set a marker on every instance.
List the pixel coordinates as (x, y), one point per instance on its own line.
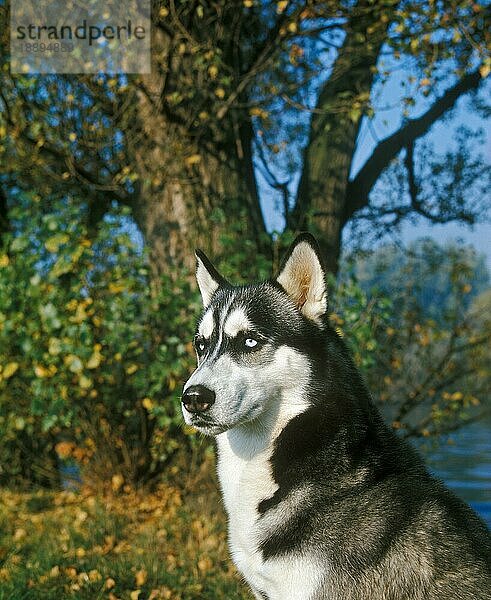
(168, 545)
(418, 323)
(241, 87)
(91, 359)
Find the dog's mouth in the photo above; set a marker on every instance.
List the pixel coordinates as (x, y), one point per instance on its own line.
(209, 427)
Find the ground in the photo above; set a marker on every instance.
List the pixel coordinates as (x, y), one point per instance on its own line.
(137, 545)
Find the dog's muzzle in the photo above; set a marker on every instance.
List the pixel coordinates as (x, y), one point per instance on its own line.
(197, 399)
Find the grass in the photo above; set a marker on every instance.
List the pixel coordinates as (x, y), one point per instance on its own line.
(170, 544)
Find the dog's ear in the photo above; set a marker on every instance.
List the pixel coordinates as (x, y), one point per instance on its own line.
(208, 278)
(302, 276)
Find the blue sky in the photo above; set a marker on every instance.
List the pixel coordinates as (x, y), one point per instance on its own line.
(441, 135)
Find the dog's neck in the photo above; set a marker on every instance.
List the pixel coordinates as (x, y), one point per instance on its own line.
(250, 439)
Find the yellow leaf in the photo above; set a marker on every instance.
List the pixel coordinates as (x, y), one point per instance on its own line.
(55, 571)
(117, 482)
(53, 243)
(40, 371)
(193, 159)
(292, 27)
(248, 3)
(4, 260)
(19, 534)
(94, 361)
(135, 594)
(110, 583)
(220, 93)
(9, 369)
(131, 369)
(115, 288)
(74, 363)
(280, 6)
(485, 70)
(147, 403)
(85, 382)
(140, 577)
(213, 71)
(94, 575)
(54, 346)
(72, 136)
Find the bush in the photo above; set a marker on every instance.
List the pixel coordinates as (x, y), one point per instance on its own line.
(91, 360)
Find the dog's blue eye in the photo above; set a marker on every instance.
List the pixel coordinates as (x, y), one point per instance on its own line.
(250, 342)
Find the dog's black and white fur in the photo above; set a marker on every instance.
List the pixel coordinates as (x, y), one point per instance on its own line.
(324, 501)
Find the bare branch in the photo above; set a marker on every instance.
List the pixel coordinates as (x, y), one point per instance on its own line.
(357, 195)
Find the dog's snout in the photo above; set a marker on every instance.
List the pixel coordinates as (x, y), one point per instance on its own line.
(198, 398)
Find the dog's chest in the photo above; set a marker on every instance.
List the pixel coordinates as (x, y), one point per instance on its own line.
(245, 481)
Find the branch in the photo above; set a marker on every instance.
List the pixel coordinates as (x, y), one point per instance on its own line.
(261, 55)
(4, 218)
(359, 188)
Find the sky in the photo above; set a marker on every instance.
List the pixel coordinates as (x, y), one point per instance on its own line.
(442, 136)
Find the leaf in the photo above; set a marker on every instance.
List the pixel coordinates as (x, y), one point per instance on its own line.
(147, 403)
(117, 482)
(94, 361)
(9, 369)
(74, 363)
(140, 577)
(110, 583)
(85, 382)
(53, 243)
(194, 159)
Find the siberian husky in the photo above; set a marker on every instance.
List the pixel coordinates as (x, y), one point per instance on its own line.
(324, 501)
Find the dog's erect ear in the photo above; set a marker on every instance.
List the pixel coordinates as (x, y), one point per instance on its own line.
(303, 278)
(208, 278)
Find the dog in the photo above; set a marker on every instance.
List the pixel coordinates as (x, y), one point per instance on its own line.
(324, 501)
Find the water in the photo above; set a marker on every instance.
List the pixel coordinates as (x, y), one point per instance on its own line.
(465, 466)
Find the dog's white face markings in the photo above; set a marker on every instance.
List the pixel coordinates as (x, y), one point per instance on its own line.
(236, 321)
(207, 325)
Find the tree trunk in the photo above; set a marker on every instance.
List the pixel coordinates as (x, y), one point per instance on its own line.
(187, 198)
(321, 197)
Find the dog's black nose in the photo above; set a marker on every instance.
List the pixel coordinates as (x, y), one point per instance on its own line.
(198, 398)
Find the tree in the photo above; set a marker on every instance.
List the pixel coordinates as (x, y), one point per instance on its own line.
(230, 94)
(419, 327)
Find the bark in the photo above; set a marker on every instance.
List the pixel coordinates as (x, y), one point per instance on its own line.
(334, 128)
(181, 204)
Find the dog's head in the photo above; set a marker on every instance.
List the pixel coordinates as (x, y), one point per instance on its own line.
(253, 341)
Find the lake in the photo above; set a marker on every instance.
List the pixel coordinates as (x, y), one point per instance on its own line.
(465, 466)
